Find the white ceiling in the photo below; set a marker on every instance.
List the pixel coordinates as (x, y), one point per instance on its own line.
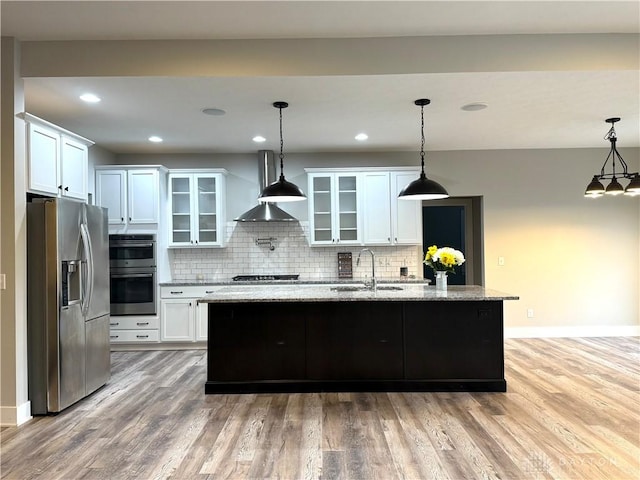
(527, 109)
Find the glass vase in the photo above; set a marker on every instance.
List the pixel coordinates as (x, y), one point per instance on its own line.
(441, 281)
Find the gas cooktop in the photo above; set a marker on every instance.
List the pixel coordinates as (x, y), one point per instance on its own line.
(260, 278)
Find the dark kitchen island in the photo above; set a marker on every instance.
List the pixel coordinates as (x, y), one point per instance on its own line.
(311, 338)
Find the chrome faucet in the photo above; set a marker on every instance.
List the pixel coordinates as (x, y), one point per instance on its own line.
(373, 266)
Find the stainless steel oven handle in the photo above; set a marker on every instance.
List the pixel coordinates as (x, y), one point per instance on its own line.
(132, 244)
(133, 275)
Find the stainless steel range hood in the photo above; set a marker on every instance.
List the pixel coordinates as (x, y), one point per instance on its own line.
(266, 212)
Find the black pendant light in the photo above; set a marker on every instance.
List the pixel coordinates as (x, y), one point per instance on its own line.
(596, 189)
(423, 188)
(281, 190)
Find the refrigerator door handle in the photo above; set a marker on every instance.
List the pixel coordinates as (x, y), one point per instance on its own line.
(88, 292)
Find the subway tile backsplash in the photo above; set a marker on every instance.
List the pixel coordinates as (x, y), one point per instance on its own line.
(283, 248)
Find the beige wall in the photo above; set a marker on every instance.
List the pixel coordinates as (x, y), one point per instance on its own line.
(14, 405)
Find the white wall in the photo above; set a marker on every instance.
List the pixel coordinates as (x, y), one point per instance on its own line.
(573, 260)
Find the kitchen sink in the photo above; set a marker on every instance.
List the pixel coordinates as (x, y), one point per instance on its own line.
(354, 288)
(349, 288)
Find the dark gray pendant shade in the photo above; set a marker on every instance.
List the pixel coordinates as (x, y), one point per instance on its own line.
(423, 188)
(282, 191)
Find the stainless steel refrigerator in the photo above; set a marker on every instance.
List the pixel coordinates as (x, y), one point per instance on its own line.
(67, 302)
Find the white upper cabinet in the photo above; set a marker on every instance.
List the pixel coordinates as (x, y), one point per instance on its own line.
(387, 220)
(74, 168)
(143, 196)
(111, 193)
(196, 208)
(376, 191)
(57, 160)
(130, 194)
(334, 208)
(406, 215)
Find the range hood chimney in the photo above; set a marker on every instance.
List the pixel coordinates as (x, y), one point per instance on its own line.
(266, 211)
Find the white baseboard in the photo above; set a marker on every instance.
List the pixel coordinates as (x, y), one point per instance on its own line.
(582, 331)
(14, 416)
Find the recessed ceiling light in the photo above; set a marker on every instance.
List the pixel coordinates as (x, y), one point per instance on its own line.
(155, 139)
(90, 98)
(259, 139)
(216, 112)
(474, 107)
(361, 137)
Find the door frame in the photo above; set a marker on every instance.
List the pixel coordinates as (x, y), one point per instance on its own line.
(474, 234)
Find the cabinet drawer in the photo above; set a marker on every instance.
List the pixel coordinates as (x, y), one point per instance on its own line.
(136, 336)
(128, 323)
(186, 291)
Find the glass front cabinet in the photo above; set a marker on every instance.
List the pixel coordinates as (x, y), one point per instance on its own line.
(334, 208)
(196, 208)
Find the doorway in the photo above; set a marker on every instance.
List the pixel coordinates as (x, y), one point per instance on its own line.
(456, 222)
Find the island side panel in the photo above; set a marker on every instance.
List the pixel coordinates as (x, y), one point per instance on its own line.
(355, 341)
(454, 341)
(255, 342)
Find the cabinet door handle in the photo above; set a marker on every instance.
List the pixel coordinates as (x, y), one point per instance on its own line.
(59, 187)
(208, 291)
(115, 324)
(396, 239)
(114, 336)
(140, 324)
(142, 336)
(176, 293)
(384, 340)
(66, 189)
(280, 343)
(388, 239)
(129, 218)
(122, 219)
(196, 242)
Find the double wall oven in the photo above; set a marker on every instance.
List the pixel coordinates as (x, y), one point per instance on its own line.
(132, 262)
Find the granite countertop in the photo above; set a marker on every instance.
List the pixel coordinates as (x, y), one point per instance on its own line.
(327, 281)
(325, 293)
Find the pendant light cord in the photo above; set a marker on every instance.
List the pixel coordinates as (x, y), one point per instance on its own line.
(422, 174)
(281, 147)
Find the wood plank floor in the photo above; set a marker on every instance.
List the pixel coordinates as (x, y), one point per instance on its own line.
(572, 411)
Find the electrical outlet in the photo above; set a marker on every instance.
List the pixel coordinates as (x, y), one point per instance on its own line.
(501, 261)
(529, 312)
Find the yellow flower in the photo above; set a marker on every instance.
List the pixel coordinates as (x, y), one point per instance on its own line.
(430, 252)
(447, 259)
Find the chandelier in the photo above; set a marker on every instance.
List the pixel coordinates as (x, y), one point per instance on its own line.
(596, 189)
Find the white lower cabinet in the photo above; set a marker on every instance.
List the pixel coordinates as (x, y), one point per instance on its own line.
(134, 329)
(178, 319)
(183, 319)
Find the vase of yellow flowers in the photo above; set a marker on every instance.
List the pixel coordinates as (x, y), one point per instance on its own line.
(443, 261)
